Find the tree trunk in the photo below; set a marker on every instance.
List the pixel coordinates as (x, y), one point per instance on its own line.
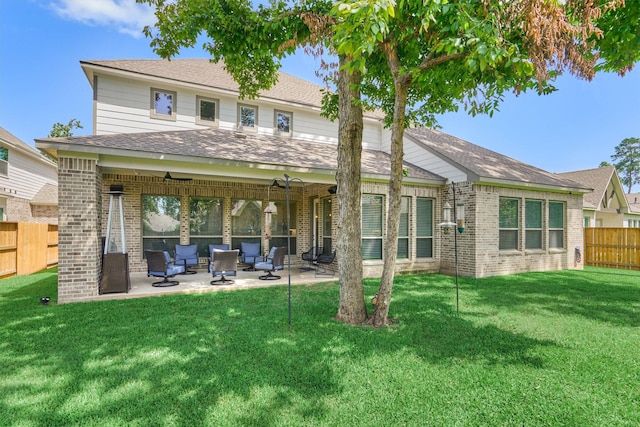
(351, 308)
(381, 314)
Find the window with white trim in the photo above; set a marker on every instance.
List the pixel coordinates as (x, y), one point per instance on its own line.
(247, 117)
(163, 104)
(207, 111)
(283, 122)
(424, 228)
(556, 225)
(533, 224)
(403, 230)
(508, 224)
(4, 161)
(372, 217)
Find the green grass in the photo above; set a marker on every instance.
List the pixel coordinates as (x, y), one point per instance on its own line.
(539, 349)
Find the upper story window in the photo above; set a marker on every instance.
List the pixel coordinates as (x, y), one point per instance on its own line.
(247, 117)
(556, 225)
(283, 122)
(4, 161)
(207, 111)
(509, 224)
(163, 104)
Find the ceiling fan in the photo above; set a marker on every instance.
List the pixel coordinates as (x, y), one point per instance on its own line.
(168, 176)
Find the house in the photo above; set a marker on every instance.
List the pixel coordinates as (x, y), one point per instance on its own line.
(196, 164)
(633, 199)
(28, 183)
(607, 205)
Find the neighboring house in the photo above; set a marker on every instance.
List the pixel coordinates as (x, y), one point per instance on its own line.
(607, 205)
(155, 121)
(634, 207)
(28, 183)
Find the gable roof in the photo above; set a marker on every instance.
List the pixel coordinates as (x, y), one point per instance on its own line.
(598, 179)
(46, 196)
(205, 73)
(14, 142)
(486, 166)
(634, 202)
(231, 148)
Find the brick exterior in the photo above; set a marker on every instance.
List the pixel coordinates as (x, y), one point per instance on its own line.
(83, 193)
(478, 253)
(20, 210)
(79, 242)
(135, 187)
(373, 268)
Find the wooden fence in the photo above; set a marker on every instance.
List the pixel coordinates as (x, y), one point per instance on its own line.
(27, 247)
(612, 247)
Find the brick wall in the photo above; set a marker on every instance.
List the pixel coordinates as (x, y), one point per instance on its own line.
(79, 244)
(20, 210)
(478, 246)
(373, 268)
(136, 186)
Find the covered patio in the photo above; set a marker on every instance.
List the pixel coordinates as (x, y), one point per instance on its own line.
(200, 283)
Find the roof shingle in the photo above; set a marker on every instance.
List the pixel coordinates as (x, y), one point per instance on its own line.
(240, 147)
(482, 163)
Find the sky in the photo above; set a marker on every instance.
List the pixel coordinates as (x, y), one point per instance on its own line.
(41, 83)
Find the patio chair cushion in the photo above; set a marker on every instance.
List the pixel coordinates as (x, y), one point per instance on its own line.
(250, 252)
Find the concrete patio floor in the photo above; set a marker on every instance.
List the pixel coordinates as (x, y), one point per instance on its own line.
(141, 285)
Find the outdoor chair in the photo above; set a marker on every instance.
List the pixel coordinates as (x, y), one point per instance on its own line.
(187, 255)
(216, 247)
(250, 254)
(274, 262)
(224, 262)
(322, 262)
(159, 264)
(310, 257)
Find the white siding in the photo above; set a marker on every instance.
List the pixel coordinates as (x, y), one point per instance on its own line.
(417, 155)
(123, 107)
(27, 175)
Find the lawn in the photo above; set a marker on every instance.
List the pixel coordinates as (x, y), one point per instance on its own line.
(537, 349)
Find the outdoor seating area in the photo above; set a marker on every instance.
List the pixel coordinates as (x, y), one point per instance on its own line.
(141, 285)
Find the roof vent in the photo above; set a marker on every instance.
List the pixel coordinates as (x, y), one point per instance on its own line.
(240, 135)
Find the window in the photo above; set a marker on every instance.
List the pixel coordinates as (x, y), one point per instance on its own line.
(424, 228)
(205, 223)
(160, 222)
(163, 104)
(586, 222)
(403, 231)
(4, 161)
(247, 117)
(279, 224)
(326, 225)
(207, 111)
(246, 222)
(283, 122)
(556, 225)
(508, 218)
(371, 226)
(533, 224)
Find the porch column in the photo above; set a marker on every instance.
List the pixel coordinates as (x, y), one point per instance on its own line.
(79, 228)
